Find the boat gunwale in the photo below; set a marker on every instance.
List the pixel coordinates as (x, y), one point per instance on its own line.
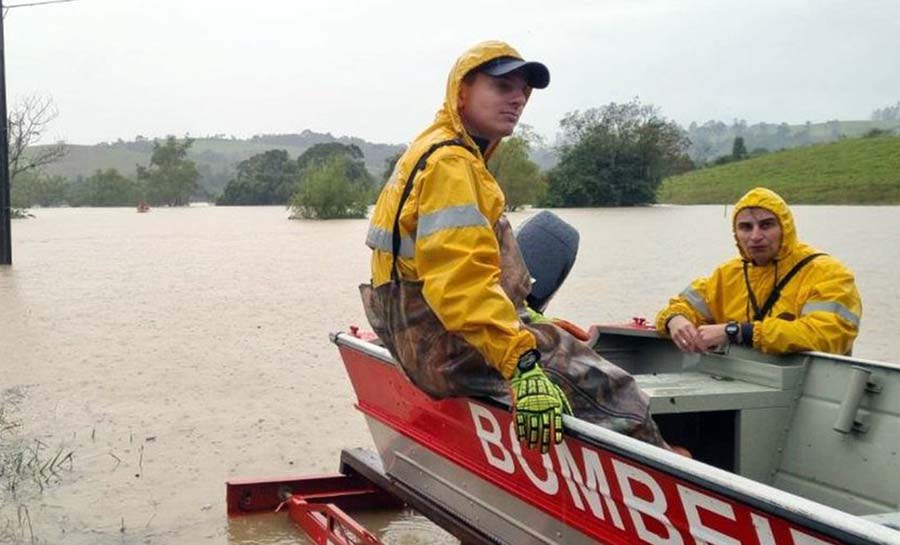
(828, 521)
(653, 334)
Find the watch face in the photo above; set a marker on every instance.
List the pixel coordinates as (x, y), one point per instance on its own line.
(731, 329)
(528, 360)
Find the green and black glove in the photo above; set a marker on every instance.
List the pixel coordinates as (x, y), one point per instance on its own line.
(538, 404)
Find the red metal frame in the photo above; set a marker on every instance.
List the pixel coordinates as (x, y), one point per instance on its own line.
(315, 503)
(326, 523)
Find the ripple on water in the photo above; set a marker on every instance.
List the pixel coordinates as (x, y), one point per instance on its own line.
(411, 528)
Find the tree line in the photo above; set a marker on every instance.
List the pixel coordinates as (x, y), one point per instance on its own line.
(329, 180)
(616, 155)
(170, 179)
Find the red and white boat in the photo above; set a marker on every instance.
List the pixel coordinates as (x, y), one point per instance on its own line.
(790, 450)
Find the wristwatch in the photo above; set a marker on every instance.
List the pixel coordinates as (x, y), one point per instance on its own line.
(732, 329)
(528, 360)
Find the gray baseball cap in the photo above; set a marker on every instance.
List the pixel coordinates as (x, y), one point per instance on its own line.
(536, 74)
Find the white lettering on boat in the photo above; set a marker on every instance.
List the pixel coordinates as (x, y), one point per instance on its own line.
(550, 485)
(637, 506)
(763, 530)
(491, 438)
(594, 482)
(641, 494)
(693, 502)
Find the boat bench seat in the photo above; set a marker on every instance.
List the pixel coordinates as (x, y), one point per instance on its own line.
(701, 392)
(722, 382)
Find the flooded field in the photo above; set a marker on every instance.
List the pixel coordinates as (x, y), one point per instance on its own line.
(167, 352)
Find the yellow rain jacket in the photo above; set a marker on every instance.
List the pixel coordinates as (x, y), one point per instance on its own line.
(447, 230)
(819, 308)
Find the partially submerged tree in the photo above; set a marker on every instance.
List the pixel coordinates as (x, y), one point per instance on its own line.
(171, 178)
(33, 188)
(517, 174)
(616, 155)
(265, 178)
(104, 188)
(339, 187)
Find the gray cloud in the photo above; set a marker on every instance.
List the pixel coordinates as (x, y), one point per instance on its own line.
(117, 68)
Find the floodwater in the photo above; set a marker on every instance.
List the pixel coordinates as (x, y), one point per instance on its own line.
(171, 351)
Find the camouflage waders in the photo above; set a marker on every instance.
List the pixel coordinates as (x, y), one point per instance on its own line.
(444, 365)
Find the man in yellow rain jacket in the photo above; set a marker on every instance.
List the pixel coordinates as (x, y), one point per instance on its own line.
(448, 288)
(779, 296)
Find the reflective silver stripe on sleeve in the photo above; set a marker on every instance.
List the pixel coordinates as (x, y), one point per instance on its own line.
(698, 302)
(452, 217)
(832, 307)
(379, 239)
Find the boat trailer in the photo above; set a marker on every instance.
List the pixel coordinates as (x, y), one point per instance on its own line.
(319, 504)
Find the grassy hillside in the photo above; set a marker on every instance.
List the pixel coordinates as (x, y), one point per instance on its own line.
(853, 171)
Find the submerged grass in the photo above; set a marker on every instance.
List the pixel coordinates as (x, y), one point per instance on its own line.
(27, 464)
(27, 467)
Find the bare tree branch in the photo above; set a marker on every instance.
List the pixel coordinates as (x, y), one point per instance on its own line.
(28, 120)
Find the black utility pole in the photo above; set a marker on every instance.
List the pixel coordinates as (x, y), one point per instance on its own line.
(5, 201)
(5, 204)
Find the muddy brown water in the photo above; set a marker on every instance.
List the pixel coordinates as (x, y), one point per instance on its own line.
(172, 350)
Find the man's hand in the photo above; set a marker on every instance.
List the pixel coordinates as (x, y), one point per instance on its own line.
(685, 335)
(712, 335)
(539, 405)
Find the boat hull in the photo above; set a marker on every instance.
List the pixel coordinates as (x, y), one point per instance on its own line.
(596, 487)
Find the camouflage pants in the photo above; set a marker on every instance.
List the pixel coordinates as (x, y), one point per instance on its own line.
(444, 365)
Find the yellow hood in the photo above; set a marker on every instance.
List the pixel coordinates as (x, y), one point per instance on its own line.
(448, 116)
(761, 197)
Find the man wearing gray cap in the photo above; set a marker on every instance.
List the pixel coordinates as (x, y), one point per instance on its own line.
(449, 284)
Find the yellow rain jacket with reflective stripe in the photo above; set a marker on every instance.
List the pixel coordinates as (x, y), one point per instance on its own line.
(819, 309)
(446, 227)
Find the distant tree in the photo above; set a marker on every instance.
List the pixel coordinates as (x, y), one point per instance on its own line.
(27, 122)
(518, 176)
(265, 178)
(323, 152)
(888, 113)
(875, 133)
(738, 150)
(723, 160)
(171, 178)
(783, 136)
(339, 187)
(33, 188)
(389, 165)
(104, 188)
(616, 155)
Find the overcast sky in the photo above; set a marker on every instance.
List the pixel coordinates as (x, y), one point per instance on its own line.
(377, 69)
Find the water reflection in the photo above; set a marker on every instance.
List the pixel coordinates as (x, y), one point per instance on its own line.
(274, 529)
(392, 527)
(405, 527)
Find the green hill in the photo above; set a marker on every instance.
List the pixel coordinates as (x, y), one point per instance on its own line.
(852, 171)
